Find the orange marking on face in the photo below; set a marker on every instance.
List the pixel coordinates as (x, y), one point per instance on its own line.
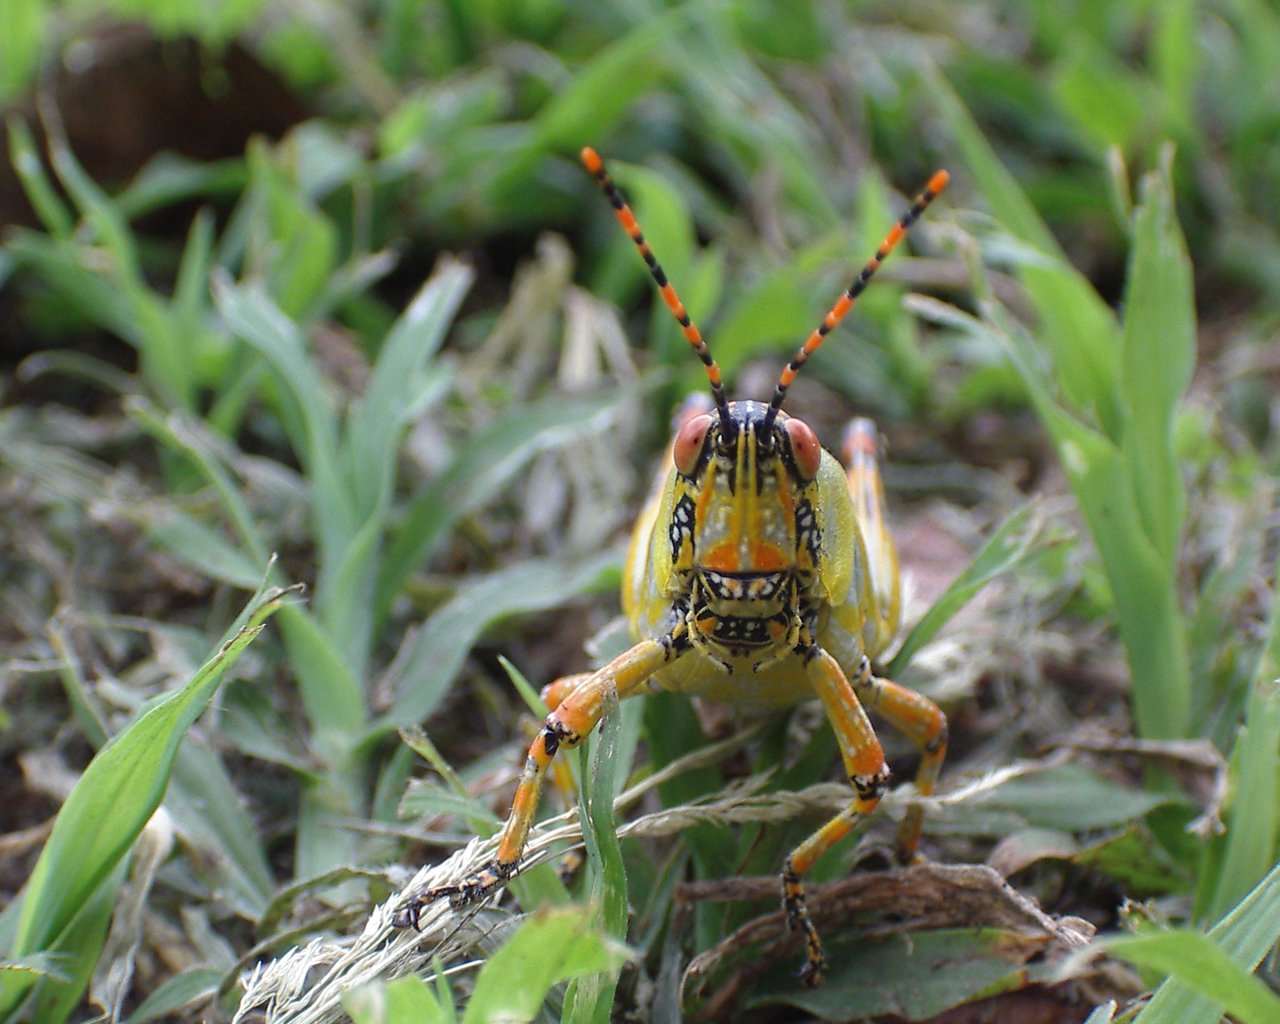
(766, 557)
(723, 558)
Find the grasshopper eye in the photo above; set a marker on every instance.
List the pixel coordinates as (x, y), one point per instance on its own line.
(687, 449)
(805, 450)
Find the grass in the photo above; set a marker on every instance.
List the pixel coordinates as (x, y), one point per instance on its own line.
(304, 373)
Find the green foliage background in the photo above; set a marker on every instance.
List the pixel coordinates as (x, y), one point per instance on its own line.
(369, 349)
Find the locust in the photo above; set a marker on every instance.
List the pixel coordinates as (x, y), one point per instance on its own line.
(761, 572)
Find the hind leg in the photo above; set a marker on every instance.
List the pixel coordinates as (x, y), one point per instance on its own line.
(861, 457)
(924, 724)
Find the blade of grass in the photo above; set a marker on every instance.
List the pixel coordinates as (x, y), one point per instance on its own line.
(482, 466)
(404, 1001)
(1075, 323)
(441, 646)
(41, 194)
(111, 802)
(1157, 357)
(1254, 822)
(394, 393)
(210, 814)
(590, 996)
(254, 317)
(1005, 548)
(1144, 587)
(1200, 963)
(1246, 935)
(551, 946)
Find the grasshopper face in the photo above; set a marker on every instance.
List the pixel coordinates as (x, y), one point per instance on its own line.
(743, 532)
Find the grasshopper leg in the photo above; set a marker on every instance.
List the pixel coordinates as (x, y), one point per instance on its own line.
(925, 725)
(864, 762)
(578, 708)
(860, 454)
(919, 718)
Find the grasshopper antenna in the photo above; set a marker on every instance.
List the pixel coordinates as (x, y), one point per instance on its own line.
(591, 160)
(846, 301)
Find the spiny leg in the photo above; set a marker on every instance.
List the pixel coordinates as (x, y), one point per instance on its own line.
(925, 725)
(576, 714)
(553, 695)
(865, 765)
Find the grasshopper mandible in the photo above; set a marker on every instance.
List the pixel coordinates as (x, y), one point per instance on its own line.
(761, 572)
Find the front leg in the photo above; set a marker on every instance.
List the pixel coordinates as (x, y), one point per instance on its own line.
(566, 726)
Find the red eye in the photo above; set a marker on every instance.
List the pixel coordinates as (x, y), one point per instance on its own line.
(805, 450)
(687, 449)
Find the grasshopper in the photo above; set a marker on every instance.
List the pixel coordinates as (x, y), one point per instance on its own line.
(761, 572)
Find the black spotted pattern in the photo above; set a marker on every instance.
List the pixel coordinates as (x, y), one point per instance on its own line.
(808, 535)
(681, 526)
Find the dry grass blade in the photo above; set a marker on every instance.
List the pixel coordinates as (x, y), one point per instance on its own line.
(305, 986)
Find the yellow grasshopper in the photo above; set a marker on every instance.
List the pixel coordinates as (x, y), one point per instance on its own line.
(761, 572)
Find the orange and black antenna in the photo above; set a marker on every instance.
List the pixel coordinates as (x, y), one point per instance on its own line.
(591, 160)
(846, 301)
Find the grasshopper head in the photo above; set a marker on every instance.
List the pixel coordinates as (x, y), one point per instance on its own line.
(747, 477)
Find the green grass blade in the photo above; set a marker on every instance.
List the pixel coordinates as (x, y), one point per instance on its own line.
(332, 694)
(407, 1000)
(189, 438)
(164, 349)
(213, 821)
(202, 547)
(482, 466)
(590, 996)
(1246, 935)
(1253, 825)
(550, 947)
(1074, 322)
(595, 99)
(1144, 588)
(191, 289)
(371, 443)
(78, 950)
(1157, 358)
(440, 648)
(254, 317)
(110, 804)
(1142, 583)
(1005, 548)
(42, 196)
(1200, 963)
(197, 984)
